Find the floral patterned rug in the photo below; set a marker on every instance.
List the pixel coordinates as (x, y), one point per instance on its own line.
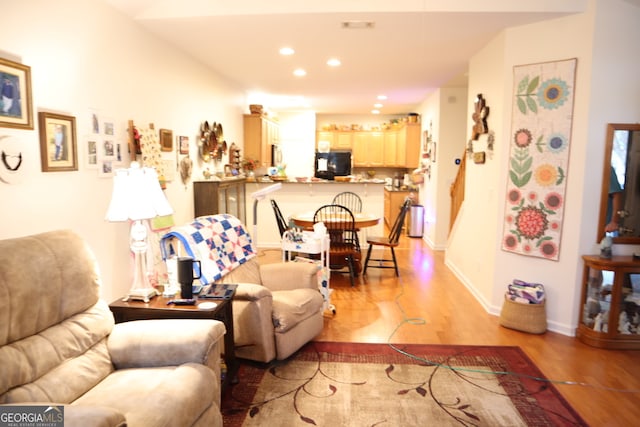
(345, 384)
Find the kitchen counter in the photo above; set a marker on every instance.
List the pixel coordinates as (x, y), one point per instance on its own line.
(295, 197)
(405, 189)
(322, 181)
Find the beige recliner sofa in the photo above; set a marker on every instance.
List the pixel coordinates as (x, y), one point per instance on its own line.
(59, 345)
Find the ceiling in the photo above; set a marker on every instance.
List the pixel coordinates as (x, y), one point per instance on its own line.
(414, 47)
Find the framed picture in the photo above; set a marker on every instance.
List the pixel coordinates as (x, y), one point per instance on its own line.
(15, 95)
(166, 140)
(183, 143)
(58, 146)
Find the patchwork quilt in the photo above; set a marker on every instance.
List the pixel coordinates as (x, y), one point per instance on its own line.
(220, 242)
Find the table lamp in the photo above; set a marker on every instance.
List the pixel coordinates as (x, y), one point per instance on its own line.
(137, 197)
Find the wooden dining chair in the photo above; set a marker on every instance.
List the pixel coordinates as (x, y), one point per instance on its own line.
(350, 200)
(390, 241)
(282, 224)
(344, 243)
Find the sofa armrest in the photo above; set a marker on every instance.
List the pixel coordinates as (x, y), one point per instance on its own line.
(92, 416)
(251, 292)
(286, 276)
(164, 342)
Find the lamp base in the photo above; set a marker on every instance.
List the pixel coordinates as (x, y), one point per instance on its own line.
(141, 294)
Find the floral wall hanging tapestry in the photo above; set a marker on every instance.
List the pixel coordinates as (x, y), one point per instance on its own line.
(539, 158)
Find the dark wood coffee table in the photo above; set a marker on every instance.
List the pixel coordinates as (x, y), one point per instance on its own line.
(157, 308)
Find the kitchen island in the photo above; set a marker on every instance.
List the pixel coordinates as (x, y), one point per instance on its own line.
(296, 197)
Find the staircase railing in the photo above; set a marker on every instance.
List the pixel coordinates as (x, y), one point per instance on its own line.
(457, 191)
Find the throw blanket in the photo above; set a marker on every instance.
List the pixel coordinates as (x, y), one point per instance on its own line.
(526, 293)
(220, 242)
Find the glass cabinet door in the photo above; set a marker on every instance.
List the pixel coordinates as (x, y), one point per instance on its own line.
(597, 304)
(629, 310)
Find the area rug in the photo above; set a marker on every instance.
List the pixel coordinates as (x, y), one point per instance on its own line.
(345, 384)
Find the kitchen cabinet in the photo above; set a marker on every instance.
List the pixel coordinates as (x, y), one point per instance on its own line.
(260, 134)
(326, 135)
(368, 149)
(411, 134)
(338, 140)
(610, 303)
(395, 147)
(393, 200)
(215, 197)
(390, 144)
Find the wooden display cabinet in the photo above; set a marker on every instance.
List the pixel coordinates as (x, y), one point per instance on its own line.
(260, 134)
(610, 302)
(215, 197)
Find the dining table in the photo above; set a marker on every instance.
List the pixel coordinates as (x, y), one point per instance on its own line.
(362, 220)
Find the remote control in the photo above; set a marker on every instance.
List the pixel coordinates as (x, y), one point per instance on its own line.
(182, 302)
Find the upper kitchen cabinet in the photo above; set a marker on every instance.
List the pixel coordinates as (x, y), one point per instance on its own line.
(390, 148)
(338, 140)
(260, 134)
(395, 147)
(411, 134)
(368, 149)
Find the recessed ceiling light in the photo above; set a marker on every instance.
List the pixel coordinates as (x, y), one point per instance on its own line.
(375, 111)
(299, 72)
(287, 51)
(334, 62)
(382, 97)
(378, 105)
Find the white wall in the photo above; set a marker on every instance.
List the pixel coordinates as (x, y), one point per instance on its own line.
(83, 55)
(601, 95)
(472, 242)
(298, 140)
(444, 116)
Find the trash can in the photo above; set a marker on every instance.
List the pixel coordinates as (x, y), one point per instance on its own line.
(416, 224)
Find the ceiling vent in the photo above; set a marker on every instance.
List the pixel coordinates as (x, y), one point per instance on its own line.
(358, 25)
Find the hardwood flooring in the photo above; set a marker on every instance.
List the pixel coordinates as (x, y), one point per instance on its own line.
(428, 304)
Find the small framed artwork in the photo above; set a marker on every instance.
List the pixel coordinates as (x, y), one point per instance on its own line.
(92, 153)
(15, 95)
(58, 146)
(183, 143)
(166, 140)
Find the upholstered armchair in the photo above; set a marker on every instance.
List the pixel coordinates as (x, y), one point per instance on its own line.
(277, 307)
(276, 310)
(59, 345)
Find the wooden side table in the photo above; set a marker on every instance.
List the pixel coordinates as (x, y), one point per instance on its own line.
(157, 308)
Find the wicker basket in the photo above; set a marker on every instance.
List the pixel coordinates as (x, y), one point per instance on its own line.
(530, 318)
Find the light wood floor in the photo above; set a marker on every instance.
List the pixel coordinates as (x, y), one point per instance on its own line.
(428, 304)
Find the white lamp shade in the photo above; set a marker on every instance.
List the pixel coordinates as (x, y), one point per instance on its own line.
(137, 195)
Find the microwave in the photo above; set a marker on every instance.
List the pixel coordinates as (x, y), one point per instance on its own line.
(332, 164)
(276, 155)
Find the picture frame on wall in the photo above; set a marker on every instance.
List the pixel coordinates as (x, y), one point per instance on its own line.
(183, 144)
(166, 140)
(15, 95)
(58, 144)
